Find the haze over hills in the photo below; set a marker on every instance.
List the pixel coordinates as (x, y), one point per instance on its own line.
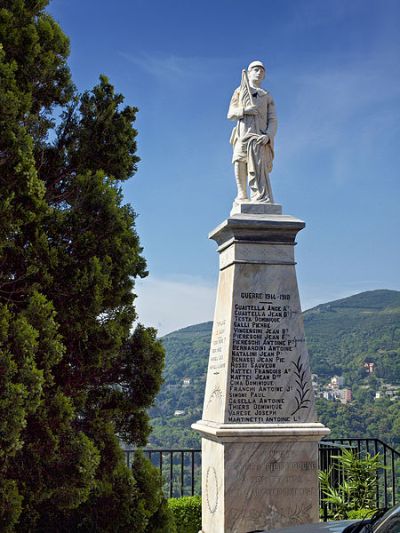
(341, 336)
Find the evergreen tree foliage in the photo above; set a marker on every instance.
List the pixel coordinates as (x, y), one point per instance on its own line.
(73, 376)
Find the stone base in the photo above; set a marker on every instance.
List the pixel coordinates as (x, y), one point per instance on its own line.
(257, 478)
(255, 208)
(259, 427)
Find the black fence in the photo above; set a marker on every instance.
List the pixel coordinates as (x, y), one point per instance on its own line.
(387, 492)
(180, 469)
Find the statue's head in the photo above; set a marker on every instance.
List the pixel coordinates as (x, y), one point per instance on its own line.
(256, 71)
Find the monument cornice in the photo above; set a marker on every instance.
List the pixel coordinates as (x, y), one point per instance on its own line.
(295, 432)
(267, 229)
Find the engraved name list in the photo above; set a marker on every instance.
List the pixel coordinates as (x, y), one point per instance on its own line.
(263, 351)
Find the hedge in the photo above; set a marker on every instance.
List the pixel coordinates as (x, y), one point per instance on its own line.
(187, 513)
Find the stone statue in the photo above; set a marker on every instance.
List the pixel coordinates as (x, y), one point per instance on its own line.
(253, 136)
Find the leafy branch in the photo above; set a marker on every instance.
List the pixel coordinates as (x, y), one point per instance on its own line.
(297, 514)
(357, 490)
(302, 389)
(215, 395)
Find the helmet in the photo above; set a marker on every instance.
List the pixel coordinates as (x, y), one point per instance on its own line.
(256, 64)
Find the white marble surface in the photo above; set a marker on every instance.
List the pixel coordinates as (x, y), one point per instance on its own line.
(310, 431)
(270, 485)
(257, 253)
(258, 484)
(216, 385)
(255, 208)
(259, 369)
(213, 487)
(259, 427)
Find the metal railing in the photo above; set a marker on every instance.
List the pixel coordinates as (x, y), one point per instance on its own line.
(180, 469)
(387, 492)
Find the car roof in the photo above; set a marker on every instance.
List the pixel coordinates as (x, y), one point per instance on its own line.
(323, 527)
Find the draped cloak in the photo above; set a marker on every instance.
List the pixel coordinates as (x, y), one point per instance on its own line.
(246, 141)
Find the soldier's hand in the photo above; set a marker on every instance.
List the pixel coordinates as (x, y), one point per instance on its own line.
(250, 110)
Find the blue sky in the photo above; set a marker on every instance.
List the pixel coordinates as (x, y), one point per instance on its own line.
(334, 71)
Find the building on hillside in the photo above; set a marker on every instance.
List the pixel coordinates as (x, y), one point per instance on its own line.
(346, 395)
(388, 391)
(369, 366)
(336, 382)
(392, 391)
(342, 395)
(186, 382)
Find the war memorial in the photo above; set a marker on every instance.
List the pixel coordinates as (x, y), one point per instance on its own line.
(259, 429)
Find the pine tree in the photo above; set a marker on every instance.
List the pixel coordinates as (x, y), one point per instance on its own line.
(73, 376)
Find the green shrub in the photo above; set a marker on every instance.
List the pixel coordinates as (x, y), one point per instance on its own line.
(360, 514)
(163, 520)
(187, 513)
(356, 493)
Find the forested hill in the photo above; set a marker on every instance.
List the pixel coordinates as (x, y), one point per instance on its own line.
(341, 335)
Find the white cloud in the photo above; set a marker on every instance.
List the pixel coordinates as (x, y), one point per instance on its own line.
(159, 67)
(173, 69)
(339, 124)
(171, 304)
(330, 107)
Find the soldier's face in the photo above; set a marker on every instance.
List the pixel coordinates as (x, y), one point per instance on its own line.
(256, 74)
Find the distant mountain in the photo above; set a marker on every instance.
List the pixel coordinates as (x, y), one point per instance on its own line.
(341, 336)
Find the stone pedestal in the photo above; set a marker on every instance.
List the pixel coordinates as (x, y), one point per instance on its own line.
(259, 430)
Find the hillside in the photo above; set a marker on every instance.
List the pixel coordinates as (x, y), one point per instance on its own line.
(341, 335)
